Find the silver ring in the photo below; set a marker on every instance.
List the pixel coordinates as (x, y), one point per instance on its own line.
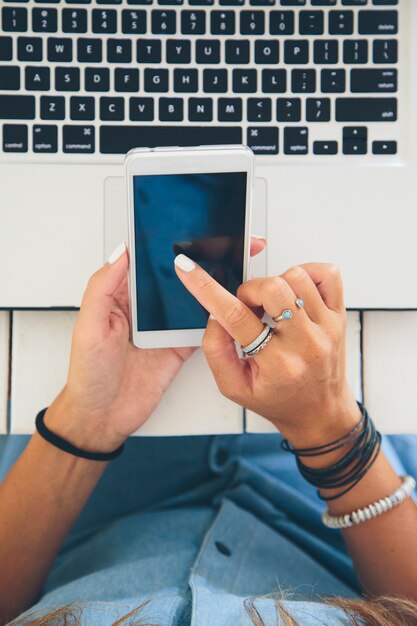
(262, 345)
(259, 339)
(285, 315)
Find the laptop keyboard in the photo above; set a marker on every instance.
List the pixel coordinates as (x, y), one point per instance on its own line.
(286, 77)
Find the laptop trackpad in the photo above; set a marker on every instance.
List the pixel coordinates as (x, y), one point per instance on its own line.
(115, 217)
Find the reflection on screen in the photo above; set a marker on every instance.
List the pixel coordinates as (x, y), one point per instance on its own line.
(200, 215)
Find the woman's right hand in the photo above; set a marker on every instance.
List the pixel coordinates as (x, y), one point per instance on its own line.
(298, 381)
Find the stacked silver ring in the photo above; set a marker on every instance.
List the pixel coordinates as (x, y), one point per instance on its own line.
(260, 342)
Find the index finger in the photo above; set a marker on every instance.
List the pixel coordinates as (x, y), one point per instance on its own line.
(239, 321)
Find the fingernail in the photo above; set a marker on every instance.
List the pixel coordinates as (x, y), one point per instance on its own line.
(184, 263)
(259, 237)
(211, 317)
(117, 253)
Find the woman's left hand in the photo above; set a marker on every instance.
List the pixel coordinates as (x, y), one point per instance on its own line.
(112, 386)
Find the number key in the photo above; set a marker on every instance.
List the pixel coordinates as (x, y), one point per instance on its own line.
(14, 20)
(44, 20)
(133, 21)
(74, 21)
(281, 22)
(252, 22)
(104, 21)
(193, 22)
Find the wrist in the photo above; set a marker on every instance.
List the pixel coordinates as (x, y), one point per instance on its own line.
(72, 423)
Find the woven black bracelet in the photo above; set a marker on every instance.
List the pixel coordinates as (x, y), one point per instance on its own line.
(66, 446)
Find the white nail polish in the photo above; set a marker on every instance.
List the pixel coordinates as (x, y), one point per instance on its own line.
(184, 263)
(117, 253)
(211, 317)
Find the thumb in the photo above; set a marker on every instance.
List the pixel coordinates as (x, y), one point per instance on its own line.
(98, 299)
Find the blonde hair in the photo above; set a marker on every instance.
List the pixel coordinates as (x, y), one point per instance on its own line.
(379, 611)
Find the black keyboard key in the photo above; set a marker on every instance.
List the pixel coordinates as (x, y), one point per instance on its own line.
(170, 2)
(89, 50)
(120, 139)
(15, 138)
(208, 51)
(185, 81)
(229, 110)
(171, 109)
(109, 1)
(29, 49)
(311, 22)
(203, 3)
(119, 51)
(78, 139)
(97, 79)
(52, 108)
(384, 147)
(261, 3)
(318, 110)
(355, 140)
(45, 138)
(259, 109)
(81, 1)
(141, 109)
(237, 3)
(60, 49)
(295, 140)
(262, 139)
(82, 108)
(266, 52)
(354, 3)
(237, 52)
(222, 23)
(288, 109)
(17, 107)
(163, 22)
(104, 21)
(193, 22)
(74, 21)
(385, 51)
(281, 22)
(6, 48)
(378, 22)
(9, 78)
(37, 78)
(67, 78)
(385, 2)
(252, 22)
(44, 20)
(303, 81)
(323, 3)
(178, 51)
(112, 109)
(214, 81)
(373, 81)
(355, 51)
(133, 22)
(14, 20)
(156, 80)
(341, 22)
(326, 52)
(200, 109)
(293, 3)
(333, 81)
(148, 51)
(274, 81)
(126, 79)
(244, 81)
(325, 147)
(366, 109)
(296, 52)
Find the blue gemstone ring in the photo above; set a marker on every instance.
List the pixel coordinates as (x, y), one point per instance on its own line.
(285, 315)
(299, 303)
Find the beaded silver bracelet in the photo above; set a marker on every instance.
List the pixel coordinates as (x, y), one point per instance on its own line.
(372, 510)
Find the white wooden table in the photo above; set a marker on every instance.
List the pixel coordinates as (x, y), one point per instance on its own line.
(34, 353)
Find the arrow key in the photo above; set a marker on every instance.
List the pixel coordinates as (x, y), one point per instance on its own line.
(384, 147)
(325, 147)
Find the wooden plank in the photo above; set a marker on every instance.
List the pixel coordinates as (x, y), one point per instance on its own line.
(41, 346)
(257, 424)
(390, 369)
(4, 368)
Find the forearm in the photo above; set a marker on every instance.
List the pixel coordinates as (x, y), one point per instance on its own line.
(39, 500)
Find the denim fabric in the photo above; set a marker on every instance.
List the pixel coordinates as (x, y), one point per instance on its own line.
(198, 525)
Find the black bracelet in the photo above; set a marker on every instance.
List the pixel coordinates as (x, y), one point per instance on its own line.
(66, 446)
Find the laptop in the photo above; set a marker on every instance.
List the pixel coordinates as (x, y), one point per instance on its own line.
(323, 91)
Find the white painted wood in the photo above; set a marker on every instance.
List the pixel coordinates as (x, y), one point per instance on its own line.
(257, 424)
(390, 369)
(41, 346)
(4, 368)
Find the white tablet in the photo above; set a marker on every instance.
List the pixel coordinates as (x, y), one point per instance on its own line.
(195, 201)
